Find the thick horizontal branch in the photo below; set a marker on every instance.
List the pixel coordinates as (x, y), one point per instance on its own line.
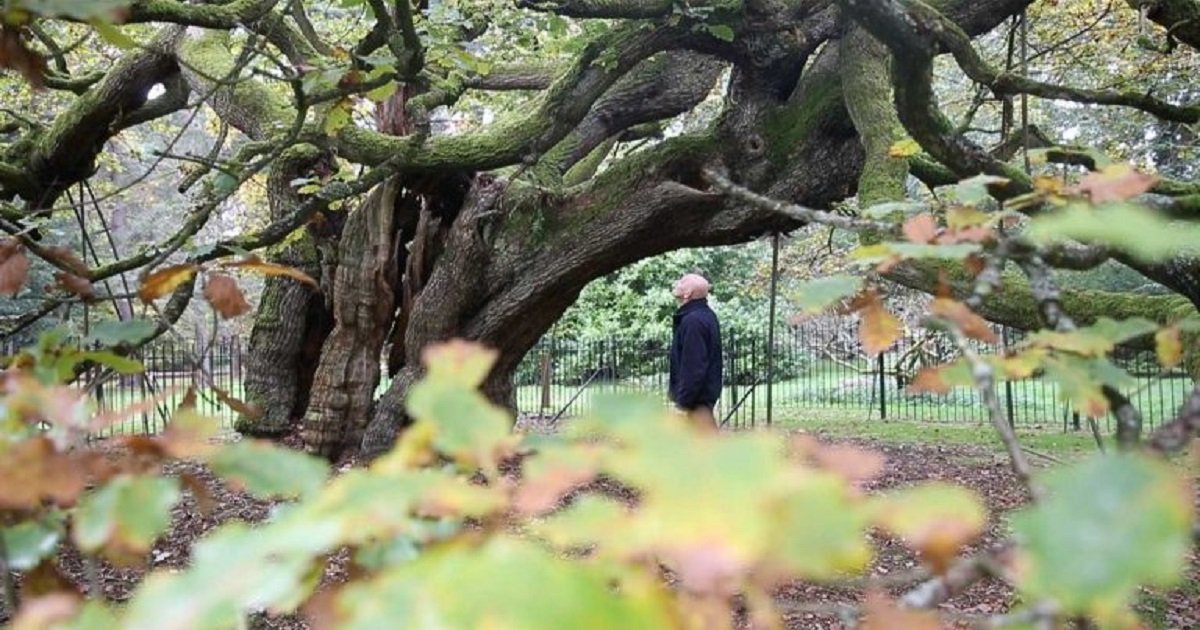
(523, 137)
(1014, 304)
(632, 9)
(507, 78)
(217, 16)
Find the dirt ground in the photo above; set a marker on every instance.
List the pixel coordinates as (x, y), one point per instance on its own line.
(806, 605)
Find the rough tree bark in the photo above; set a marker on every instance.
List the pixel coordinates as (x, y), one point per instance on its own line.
(292, 319)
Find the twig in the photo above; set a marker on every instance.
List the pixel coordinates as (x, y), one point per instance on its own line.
(1095, 427)
(985, 383)
(1046, 456)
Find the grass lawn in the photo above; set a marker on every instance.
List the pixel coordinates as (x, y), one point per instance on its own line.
(836, 423)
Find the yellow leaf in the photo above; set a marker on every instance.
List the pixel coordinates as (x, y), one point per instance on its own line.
(879, 328)
(959, 217)
(905, 148)
(1169, 346)
(257, 265)
(165, 280)
(936, 519)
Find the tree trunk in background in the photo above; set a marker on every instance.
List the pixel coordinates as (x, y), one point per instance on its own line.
(292, 320)
(364, 300)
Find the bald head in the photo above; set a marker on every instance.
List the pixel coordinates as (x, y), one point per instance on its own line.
(691, 287)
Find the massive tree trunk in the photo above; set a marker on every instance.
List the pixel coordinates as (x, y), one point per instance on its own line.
(364, 299)
(292, 319)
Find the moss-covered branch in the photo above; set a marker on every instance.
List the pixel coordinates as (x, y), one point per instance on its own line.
(524, 136)
(661, 87)
(57, 156)
(866, 86)
(1014, 304)
(221, 16)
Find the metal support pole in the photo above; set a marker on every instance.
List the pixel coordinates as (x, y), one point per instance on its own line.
(771, 329)
(882, 387)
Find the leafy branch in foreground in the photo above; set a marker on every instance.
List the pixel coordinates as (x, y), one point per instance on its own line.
(456, 521)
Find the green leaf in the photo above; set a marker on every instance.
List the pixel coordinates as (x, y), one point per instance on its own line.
(234, 570)
(94, 615)
(936, 519)
(464, 587)
(974, 191)
(124, 517)
(29, 542)
(337, 117)
(1098, 339)
(111, 333)
(588, 520)
(901, 208)
(817, 295)
(123, 365)
(266, 470)
(1080, 381)
(464, 424)
(822, 531)
(1110, 525)
(114, 35)
(460, 362)
(722, 32)
(1141, 232)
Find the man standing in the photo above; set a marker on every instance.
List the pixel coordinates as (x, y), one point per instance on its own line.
(695, 353)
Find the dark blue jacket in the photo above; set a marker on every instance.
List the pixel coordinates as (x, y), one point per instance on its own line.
(696, 356)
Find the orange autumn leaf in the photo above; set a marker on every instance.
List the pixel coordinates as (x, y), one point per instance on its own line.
(929, 379)
(73, 284)
(921, 229)
(15, 55)
(14, 267)
(258, 265)
(34, 471)
(249, 410)
(1116, 183)
(223, 294)
(963, 318)
(165, 280)
(67, 258)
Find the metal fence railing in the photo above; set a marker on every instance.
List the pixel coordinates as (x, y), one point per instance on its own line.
(817, 364)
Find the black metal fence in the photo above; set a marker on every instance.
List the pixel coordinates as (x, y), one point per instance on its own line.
(816, 365)
(820, 365)
(142, 404)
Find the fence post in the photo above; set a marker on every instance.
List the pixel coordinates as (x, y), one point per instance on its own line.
(1008, 386)
(882, 387)
(546, 363)
(771, 330)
